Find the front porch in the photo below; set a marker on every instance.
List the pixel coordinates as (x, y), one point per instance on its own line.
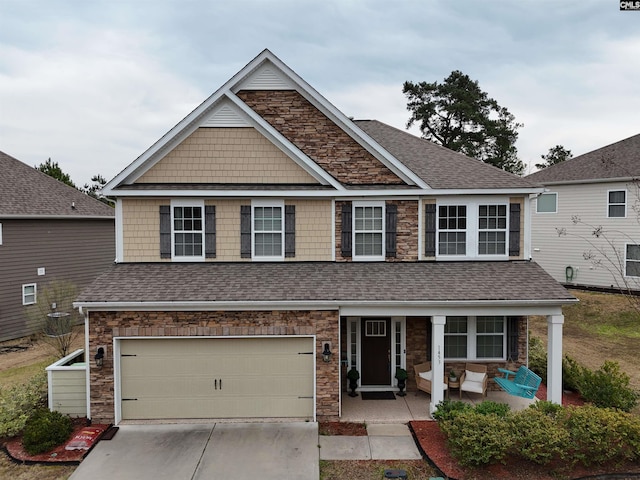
(413, 407)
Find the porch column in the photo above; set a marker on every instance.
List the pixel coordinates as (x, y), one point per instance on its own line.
(554, 358)
(437, 360)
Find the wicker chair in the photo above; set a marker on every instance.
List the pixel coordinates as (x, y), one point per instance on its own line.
(424, 384)
(476, 381)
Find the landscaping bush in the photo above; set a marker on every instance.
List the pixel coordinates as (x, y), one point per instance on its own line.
(572, 374)
(447, 410)
(477, 439)
(46, 430)
(18, 403)
(608, 387)
(489, 407)
(538, 436)
(538, 358)
(548, 408)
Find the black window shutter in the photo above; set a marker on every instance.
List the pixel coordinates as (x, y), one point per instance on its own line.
(512, 338)
(391, 221)
(245, 231)
(290, 231)
(514, 229)
(165, 231)
(210, 231)
(430, 230)
(346, 229)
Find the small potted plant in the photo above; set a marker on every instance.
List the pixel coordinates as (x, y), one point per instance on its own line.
(353, 375)
(401, 376)
(452, 376)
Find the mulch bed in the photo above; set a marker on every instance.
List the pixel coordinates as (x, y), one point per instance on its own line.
(342, 428)
(568, 398)
(59, 455)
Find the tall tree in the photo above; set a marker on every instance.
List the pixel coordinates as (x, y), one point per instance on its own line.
(555, 155)
(458, 115)
(53, 170)
(92, 190)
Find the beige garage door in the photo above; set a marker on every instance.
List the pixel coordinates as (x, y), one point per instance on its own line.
(217, 378)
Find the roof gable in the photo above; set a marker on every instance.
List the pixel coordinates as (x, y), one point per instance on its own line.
(27, 192)
(620, 160)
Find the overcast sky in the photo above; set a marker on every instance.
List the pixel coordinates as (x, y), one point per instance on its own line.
(92, 84)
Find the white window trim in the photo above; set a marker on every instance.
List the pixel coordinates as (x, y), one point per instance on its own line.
(609, 204)
(35, 293)
(555, 194)
(267, 203)
(472, 335)
(0, 234)
(368, 258)
(473, 230)
(637, 278)
(187, 258)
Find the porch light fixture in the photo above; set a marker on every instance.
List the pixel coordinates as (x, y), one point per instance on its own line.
(99, 358)
(326, 353)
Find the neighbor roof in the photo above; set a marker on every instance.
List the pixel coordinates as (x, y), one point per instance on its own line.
(618, 160)
(339, 283)
(440, 167)
(26, 192)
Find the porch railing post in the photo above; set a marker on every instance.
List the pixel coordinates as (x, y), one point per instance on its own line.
(554, 358)
(437, 360)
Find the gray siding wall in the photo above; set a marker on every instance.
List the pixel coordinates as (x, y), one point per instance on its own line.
(73, 250)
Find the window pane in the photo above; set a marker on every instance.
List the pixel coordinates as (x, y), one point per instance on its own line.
(546, 203)
(268, 244)
(489, 346)
(455, 346)
(633, 269)
(368, 244)
(456, 325)
(616, 211)
(368, 231)
(490, 324)
(633, 252)
(617, 196)
(633, 261)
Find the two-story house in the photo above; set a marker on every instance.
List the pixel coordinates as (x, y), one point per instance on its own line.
(48, 231)
(586, 226)
(267, 243)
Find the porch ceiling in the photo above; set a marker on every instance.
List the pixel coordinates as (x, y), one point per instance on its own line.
(339, 283)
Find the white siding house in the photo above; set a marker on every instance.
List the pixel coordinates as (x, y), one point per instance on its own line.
(586, 228)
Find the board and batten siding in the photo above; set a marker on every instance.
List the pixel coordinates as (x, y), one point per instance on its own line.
(588, 201)
(74, 250)
(141, 229)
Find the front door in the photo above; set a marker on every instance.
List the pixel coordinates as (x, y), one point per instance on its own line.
(376, 351)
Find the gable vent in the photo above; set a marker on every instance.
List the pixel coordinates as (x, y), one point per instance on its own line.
(266, 77)
(225, 116)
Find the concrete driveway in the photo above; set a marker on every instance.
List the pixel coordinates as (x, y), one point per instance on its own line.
(249, 451)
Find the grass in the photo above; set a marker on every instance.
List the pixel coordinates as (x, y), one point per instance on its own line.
(20, 375)
(14, 471)
(373, 469)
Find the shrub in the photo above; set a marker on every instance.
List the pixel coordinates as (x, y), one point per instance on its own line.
(18, 403)
(477, 439)
(447, 410)
(608, 387)
(572, 374)
(46, 430)
(488, 407)
(538, 436)
(538, 358)
(550, 409)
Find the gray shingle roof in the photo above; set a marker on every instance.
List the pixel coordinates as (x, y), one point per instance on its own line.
(438, 166)
(618, 160)
(24, 191)
(325, 282)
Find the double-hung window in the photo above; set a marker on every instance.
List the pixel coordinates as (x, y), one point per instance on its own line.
(368, 231)
(452, 223)
(268, 230)
(492, 229)
(29, 294)
(617, 203)
(632, 261)
(187, 219)
(475, 338)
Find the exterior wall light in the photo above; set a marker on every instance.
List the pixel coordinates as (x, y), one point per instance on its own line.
(99, 357)
(326, 352)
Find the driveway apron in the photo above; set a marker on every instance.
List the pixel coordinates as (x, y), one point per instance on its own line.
(197, 452)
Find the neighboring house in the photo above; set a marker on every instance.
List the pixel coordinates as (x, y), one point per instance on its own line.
(585, 227)
(267, 229)
(48, 231)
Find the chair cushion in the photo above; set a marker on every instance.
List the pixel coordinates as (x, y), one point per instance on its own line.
(474, 376)
(426, 375)
(470, 386)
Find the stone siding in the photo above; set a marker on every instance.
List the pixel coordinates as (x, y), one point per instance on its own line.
(318, 137)
(104, 326)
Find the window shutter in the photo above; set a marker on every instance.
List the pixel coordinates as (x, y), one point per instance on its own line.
(514, 229)
(512, 338)
(165, 231)
(430, 230)
(245, 231)
(290, 231)
(346, 229)
(210, 231)
(391, 226)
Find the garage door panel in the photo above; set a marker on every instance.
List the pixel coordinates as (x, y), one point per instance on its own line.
(217, 378)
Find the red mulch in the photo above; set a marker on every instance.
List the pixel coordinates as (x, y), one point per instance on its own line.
(568, 398)
(59, 454)
(343, 428)
(433, 444)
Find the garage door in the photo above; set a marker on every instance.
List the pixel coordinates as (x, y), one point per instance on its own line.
(217, 378)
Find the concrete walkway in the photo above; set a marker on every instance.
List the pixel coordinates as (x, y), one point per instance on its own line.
(244, 451)
(383, 442)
